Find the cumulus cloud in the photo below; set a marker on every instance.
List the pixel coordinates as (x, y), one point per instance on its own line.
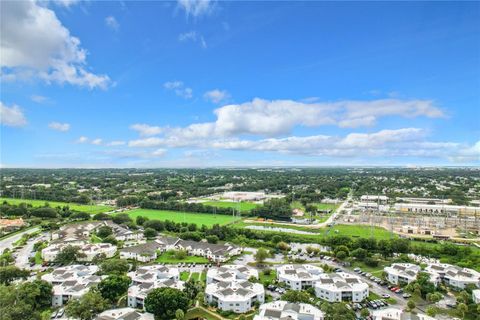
(280, 117)
(112, 23)
(82, 139)
(193, 36)
(405, 142)
(179, 88)
(97, 141)
(145, 129)
(38, 98)
(216, 95)
(12, 116)
(63, 127)
(35, 44)
(196, 8)
(116, 143)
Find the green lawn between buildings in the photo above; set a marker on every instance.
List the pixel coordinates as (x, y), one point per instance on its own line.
(179, 216)
(169, 257)
(92, 209)
(244, 206)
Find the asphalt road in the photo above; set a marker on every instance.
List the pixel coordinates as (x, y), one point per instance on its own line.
(23, 254)
(8, 242)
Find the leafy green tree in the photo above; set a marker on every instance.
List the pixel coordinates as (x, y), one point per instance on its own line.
(296, 296)
(104, 231)
(140, 220)
(341, 255)
(68, 255)
(192, 288)
(164, 302)
(462, 308)
(431, 311)
(121, 218)
(37, 293)
(114, 266)
(87, 307)
(150, 233)
(10, 273)
(13, 307)
(283, 246)
(261, 255)
(179, 314)
(337, 311)
(113, 287)
(364, 313)
(411, 305)
(212, 238)
(359, 253)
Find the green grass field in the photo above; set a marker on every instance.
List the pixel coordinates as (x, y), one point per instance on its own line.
(356, 231)
(244, 206)
(74, 206)
(168, 257)
(178, 216)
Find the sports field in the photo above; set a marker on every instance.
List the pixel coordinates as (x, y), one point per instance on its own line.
(74, 206)
(244, 206)
(179, 216)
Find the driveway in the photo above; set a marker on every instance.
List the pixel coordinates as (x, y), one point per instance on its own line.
(24, 254)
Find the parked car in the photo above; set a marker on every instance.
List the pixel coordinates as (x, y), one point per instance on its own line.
(386, 296)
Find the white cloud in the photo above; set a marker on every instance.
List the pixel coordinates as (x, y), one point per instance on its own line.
(216, 95)
(82, 139)
(196, 8)
(112, 23)
(194, 37)
(38, 98)
(116, 143)
(12, 116)
(66, 3)
(145, 129)
(179, 88)
(35, 44)
(64, 127)
(97, 141)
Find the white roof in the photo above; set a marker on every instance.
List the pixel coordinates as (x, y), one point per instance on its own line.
(235, 290)
(231, 273)
(305, 272)
(285, 310)
(340, 281)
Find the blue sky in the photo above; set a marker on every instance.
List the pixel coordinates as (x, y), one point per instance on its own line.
(204, 83)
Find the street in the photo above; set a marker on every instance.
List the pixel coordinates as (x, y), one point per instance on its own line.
(9, 241)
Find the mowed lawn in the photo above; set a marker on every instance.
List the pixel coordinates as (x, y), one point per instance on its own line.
(244, 206)
(179, 216)
(359, 231)
(73, 206)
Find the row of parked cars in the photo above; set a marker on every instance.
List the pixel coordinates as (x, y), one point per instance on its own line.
(373, 304)
(57, 314)
(274, 288)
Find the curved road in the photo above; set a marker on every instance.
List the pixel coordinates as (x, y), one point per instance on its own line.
(9, 241)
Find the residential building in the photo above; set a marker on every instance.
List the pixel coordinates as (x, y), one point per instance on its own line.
(69, 273)
(11, 224)
(476, 296)
(399, 273)
(88, 251)
(237, 296)
(144, 252)
(282, 310)
(147, 278)
(82, 231)
(341, 286)
(452, 275)
(398, 314)
(299, 277)
(124, 314)
(228, 273)
(213, 252)
(73, 289)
